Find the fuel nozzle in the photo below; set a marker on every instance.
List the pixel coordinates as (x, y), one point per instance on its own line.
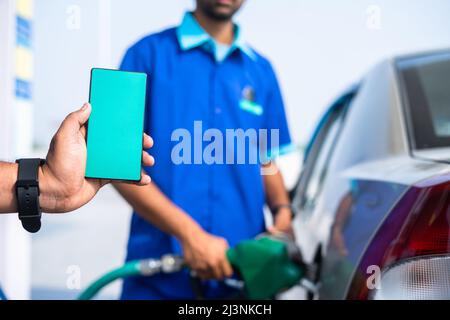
(167, 264)
(267, 265)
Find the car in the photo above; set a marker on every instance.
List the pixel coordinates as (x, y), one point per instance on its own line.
(373, 200)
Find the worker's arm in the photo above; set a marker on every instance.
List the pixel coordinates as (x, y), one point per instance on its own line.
(203, 252)
(277, 196)
(62, 184)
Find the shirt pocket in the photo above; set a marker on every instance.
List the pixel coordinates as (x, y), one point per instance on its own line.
(244, 104)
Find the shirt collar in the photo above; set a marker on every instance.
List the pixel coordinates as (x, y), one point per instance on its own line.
(191, 35)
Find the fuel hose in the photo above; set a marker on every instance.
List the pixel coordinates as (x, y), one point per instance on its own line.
(146, 268)
(128, 270)
(266, 266)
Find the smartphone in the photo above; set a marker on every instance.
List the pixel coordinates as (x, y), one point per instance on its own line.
(116, 125)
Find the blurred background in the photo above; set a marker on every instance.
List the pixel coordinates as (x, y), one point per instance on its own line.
(48, 47)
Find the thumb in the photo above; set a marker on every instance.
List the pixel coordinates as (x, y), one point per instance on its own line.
(80, 117)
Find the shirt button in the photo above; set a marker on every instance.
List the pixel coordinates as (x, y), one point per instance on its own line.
(218, 110)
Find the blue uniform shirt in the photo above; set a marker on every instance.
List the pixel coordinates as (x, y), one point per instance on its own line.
(190, 79)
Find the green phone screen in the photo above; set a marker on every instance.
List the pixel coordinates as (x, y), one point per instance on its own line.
(115, 127)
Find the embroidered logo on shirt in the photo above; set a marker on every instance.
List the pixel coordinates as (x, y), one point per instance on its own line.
(248, 103)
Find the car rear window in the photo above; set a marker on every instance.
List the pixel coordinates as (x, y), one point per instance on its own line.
(426, 82)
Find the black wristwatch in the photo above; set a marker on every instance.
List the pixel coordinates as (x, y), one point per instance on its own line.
(27, 193)
(277, 208)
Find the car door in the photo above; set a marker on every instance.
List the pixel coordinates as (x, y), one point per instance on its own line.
(317, 156)
(306, 194)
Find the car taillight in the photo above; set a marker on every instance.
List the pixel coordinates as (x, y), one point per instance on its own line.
(417, 229)
(426, 278)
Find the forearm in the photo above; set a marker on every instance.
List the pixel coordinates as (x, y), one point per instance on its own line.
(8, 178)
(155, 207)
(276, 193)
(278, 200)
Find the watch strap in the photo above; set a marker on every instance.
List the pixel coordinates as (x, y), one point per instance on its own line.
(277, 208)
(27, 192)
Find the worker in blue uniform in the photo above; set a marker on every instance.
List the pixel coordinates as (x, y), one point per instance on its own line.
(205, 83)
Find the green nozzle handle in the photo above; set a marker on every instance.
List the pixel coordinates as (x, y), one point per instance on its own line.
(265, 267)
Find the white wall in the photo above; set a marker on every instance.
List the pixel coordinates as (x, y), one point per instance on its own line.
(15, 142)
(6, 83)
(64, 55)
